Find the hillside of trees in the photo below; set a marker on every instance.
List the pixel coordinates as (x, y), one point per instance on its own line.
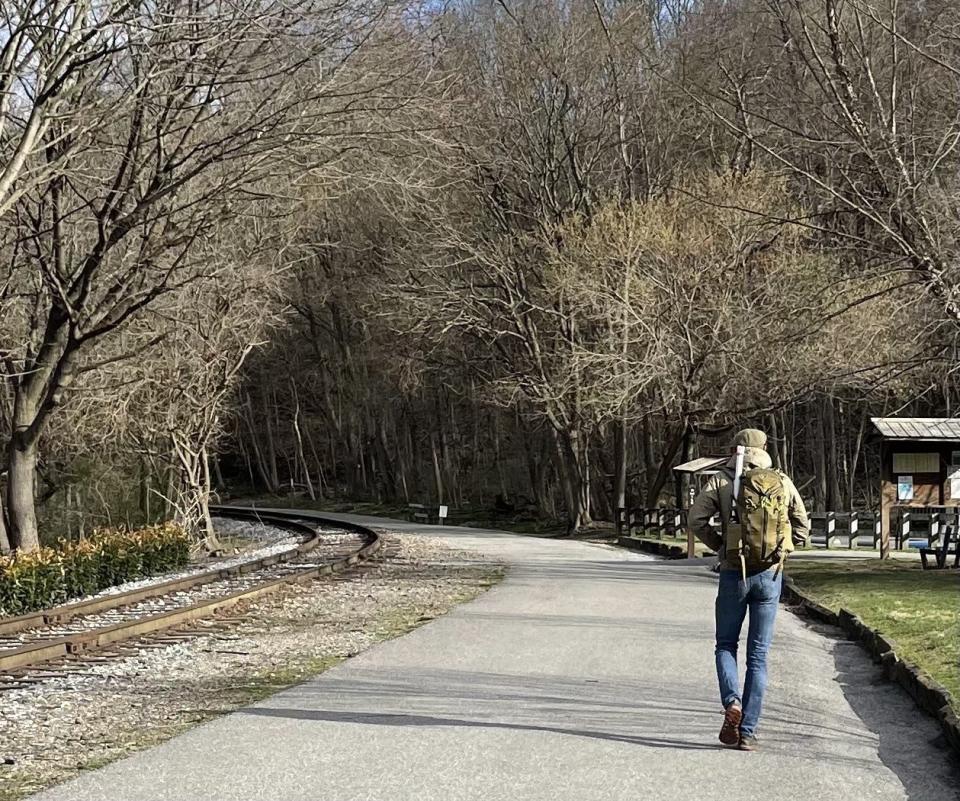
(536, 249)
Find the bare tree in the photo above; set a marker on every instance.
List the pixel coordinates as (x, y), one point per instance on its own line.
(198, 107)
(854, 99)
(54, 59)
(184, 400)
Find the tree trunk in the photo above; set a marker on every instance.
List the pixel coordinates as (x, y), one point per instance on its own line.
(262, 465)
(437, 475)
(649, 463)
(820, 460)
(204, 500)
(584, 476)
(271, 450)
(449, 433)
(545, 491)
(389, 468)
(246, 459)
(535, 473)
(173, 480)
(787, 449)
(21, 483)
(403, 478)
(830, 435)
(193, 502)
(221, 484)
(416, 482)
(144, 490)
(776, 454)
(301, 456)
(574, 463)
(498, 457)
(681, 482)
(361, 461)
(855, 460)
(321, 480)
(4, 536)
(666, 462)
(567, 483)
(620, 483)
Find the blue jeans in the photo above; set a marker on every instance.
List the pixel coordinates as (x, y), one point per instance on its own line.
(761, 595)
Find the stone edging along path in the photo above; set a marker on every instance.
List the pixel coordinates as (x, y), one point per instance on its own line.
(653, 546)
(932, 697)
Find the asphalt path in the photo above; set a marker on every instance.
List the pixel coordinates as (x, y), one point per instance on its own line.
(587, 674)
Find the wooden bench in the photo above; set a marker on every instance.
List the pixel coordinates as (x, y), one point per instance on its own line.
(418, 512)
(942, 552)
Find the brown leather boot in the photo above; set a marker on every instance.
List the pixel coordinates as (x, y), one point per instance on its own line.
(730, 732)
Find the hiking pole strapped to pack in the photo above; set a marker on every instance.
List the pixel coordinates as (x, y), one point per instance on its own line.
(734, 516)
(737, 475)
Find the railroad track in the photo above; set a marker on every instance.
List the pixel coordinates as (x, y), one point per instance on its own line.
(52, 641)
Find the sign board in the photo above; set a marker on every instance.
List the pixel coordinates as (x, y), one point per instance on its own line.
(904, 488)
(442, 512)
(916, 463)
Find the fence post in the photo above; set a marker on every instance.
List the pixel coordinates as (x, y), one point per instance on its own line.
(933, 530)
(853, 530)
(904, 529)
(877, 529)
(829, 526)
(661, 523)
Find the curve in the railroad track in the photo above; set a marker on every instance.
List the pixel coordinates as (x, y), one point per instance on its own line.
(52, 635)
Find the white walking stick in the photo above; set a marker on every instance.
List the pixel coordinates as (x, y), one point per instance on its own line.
(737, 475)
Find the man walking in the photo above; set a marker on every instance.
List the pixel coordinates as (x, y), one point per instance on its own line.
(762, 519)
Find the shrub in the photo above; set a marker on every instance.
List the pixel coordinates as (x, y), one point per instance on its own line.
(51, 576)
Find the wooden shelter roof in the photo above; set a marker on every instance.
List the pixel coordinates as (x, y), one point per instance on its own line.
(930, 429)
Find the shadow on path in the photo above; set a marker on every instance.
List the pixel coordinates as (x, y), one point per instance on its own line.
(619, 711)
(396, 719)
(882, 708)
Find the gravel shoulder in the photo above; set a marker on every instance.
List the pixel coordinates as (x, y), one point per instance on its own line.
(61, 726)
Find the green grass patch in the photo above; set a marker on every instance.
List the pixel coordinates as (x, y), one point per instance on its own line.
(919, 609)
(265, 683)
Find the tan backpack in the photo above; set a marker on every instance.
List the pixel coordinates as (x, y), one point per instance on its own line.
(761, 533)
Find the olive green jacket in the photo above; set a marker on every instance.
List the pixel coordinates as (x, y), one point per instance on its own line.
(717, 498)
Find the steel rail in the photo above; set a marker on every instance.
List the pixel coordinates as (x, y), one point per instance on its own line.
(47, 650)
(103, 603)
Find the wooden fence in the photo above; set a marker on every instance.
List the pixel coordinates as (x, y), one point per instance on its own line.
(831, 530)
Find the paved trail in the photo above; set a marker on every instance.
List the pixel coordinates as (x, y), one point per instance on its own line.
(586, 675)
